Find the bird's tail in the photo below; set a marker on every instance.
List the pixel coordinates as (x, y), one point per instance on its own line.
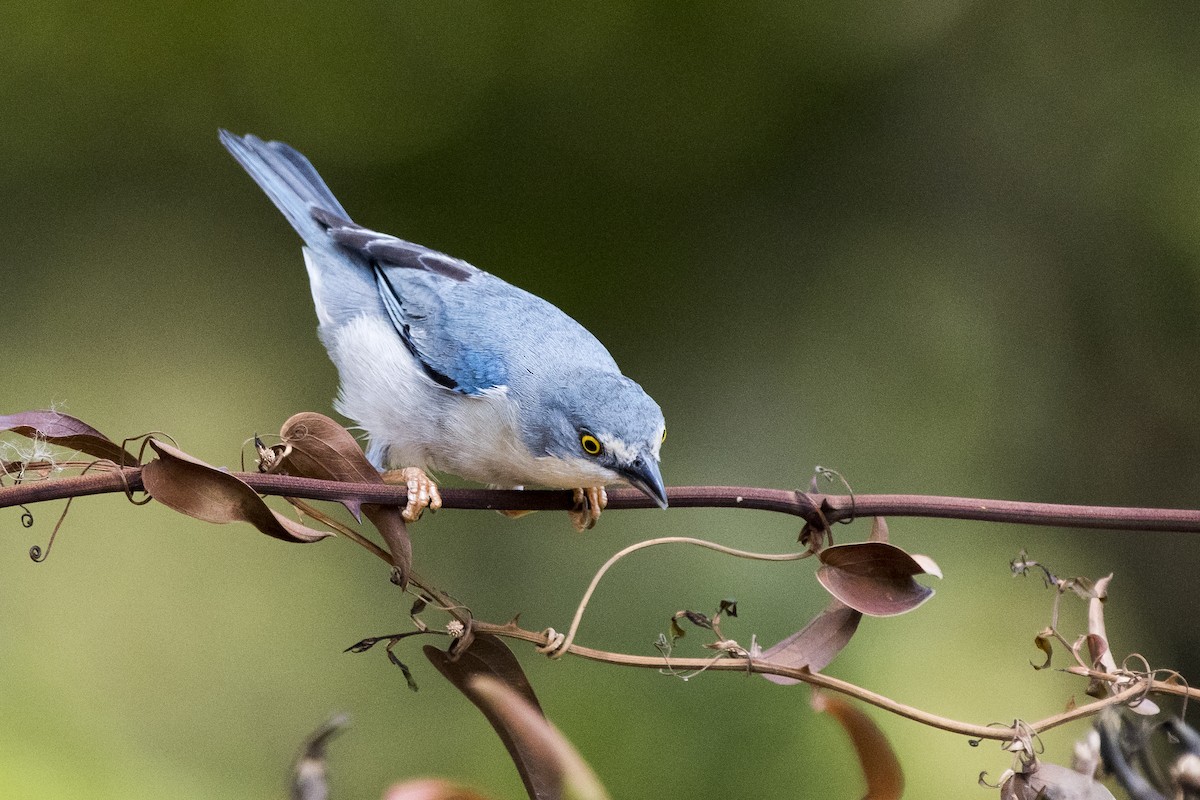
(288, 178)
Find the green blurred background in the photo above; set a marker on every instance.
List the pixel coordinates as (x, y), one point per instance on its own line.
(943, 247)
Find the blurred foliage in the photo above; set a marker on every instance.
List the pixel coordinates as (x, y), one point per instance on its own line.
(941, 246)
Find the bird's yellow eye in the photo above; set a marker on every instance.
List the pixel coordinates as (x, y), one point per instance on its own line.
(590, 444)
(664, 437)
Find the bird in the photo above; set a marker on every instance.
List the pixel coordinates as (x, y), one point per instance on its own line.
(450, 369)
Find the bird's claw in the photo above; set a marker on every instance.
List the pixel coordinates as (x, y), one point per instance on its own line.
(422, 491)
(589, 502)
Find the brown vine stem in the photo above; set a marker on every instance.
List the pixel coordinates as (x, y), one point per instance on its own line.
(1125, 695)
(809, 506)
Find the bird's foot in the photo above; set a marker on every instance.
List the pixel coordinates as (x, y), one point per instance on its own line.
(589, 502)
(422, 491)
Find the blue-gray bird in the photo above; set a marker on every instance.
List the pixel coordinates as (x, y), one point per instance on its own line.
(449, 368)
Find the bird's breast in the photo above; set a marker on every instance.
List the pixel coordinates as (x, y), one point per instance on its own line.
(415, 422)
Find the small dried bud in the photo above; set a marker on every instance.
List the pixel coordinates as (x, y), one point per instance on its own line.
(455, 628)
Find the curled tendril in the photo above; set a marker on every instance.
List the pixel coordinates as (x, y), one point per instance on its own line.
(832, 475)
(26, 517)
(1025, 744)
(145, 443)
(36, 553)
(129, 492)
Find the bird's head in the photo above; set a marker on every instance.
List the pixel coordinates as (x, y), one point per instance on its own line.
(605, 424)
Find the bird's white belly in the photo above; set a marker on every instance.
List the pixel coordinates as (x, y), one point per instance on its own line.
(415, 422)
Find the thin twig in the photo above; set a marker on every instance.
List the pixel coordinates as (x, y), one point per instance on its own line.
(759, 666)
(561, 647)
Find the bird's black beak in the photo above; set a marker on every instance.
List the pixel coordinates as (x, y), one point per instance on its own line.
(644, 476)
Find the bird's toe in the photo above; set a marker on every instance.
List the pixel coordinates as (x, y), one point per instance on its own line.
(589, 502)
(422, 491)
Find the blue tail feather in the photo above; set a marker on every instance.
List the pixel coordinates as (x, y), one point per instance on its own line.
(288, 178)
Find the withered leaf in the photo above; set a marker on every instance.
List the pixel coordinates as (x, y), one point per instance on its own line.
(364, 645)
(432, 789)
(817, 643)
(1101, 658)
(64, 430)
(321, 448)
(1052, 782)
(536, 737)
(404, 670)
(1097, 650)
(199, 490)
(879, 530)
(875, 578)
(1044, 643)
(881, 768)
(489, 657)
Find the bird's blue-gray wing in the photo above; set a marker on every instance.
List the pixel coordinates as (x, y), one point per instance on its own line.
(440, 306)
(470, 331)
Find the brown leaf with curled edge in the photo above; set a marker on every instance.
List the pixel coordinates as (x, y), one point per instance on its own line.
(875, 578)
(881, 768)
(489, 656)
(1052, 782)
(491, 678)
(432, 789)
(64, 430)
(1044, 643)
(816, 644)
(539, 739)
(199, 490)
(321, 448)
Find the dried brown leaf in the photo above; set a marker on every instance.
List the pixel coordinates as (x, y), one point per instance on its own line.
(64, 430)
(491, 678)
(928, 564)
(879, 530)
(199, 490)
(1101, 658)
(540, 740)
(881, 768)
(1043, 641)
(875, 578)
(816, 644)
(321, 448)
